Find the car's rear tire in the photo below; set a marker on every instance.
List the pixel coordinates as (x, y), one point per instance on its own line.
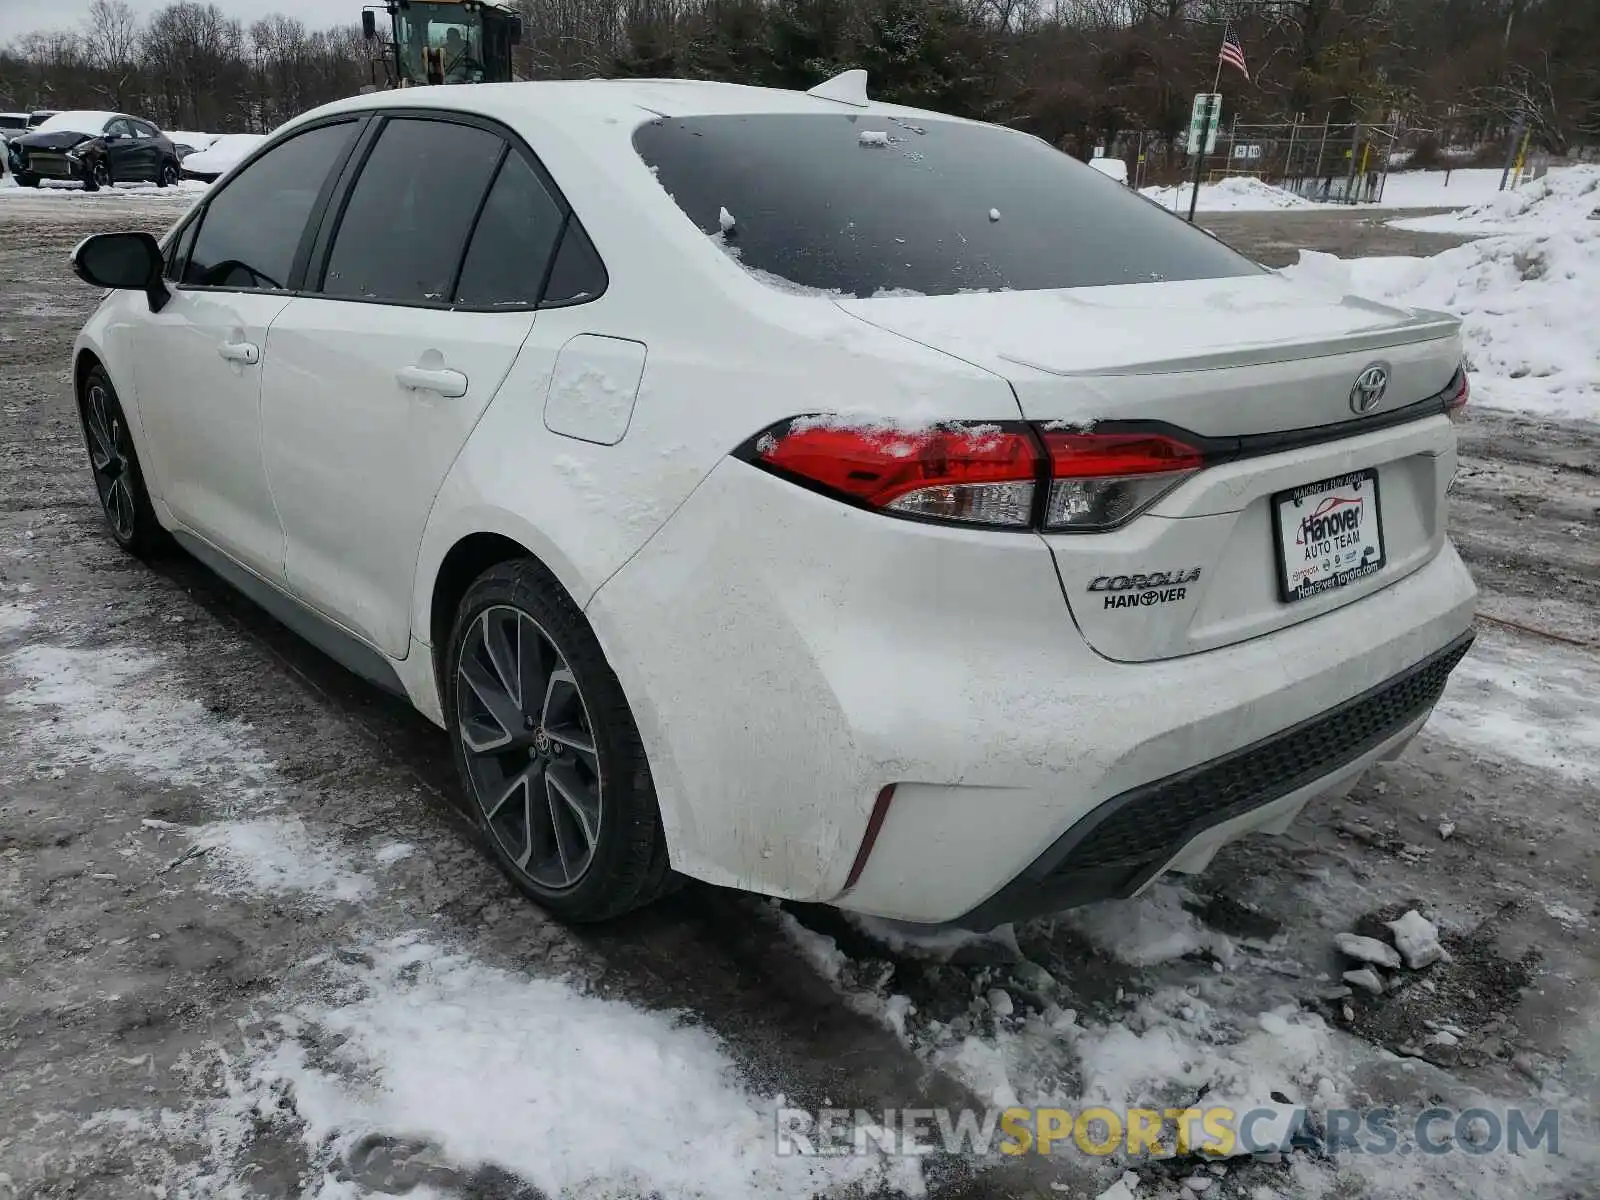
(547, 749)
(167, 176)
(118, 481)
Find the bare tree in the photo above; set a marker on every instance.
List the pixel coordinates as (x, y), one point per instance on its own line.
(111, 47)
(1528, 97)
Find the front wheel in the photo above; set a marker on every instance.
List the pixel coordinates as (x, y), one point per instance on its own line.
(168, 175)
(548, 750)
(99, 176)
(27, 180)
(115, 466)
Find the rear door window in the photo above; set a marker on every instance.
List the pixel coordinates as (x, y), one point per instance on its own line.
(406, 225)
(512, 244)
(863, 204)
(251, 229)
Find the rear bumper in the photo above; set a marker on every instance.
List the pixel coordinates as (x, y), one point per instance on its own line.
(1178, 822)
(787, 657)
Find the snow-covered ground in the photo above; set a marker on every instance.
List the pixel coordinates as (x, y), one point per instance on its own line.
(400, 1034)
(1527, 293)
(1404, 189)
(52, 189)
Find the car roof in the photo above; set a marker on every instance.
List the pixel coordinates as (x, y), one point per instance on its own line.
(613, 100)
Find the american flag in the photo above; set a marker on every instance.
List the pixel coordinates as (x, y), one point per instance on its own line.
(1233, 53)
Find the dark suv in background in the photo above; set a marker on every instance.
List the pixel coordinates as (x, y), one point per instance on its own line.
(95, 149)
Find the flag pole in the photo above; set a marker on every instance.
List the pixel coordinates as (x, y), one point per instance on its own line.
(1205, 127)
(1227, 26)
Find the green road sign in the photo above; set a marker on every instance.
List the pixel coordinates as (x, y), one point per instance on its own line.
(1197, 121)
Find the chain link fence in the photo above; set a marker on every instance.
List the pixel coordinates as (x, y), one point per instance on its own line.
(1341, 163)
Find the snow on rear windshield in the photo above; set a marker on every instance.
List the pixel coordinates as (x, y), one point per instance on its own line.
(825, 206)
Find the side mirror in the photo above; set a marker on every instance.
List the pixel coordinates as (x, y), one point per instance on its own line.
(369, 24)
(125, 262)
(516, 29)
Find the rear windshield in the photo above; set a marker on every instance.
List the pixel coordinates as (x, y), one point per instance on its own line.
(863, 204)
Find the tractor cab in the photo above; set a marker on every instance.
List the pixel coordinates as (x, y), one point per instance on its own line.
(445, 41)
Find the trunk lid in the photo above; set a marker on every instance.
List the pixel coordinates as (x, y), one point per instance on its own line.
(1210, 564)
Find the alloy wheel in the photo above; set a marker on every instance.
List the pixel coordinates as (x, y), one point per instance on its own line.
(102, 176)
(530, 750)
(110, 454)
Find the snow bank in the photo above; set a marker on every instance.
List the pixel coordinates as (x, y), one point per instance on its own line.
(1526, 302)
(1241, 193)
(1403, 189)
(1440, 189)
(1565, 199)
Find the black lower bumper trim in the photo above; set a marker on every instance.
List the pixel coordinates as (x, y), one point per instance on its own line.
(1113, 851)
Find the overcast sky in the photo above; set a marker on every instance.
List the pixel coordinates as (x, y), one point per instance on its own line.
(23, 16)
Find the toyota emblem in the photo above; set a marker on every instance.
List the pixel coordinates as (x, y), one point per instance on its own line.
(1370, 386)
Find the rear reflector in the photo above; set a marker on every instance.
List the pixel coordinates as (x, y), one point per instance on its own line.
(1456, 396)
(970, 474)
(1101, 480)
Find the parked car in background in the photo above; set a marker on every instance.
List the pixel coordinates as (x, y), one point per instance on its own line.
(11, 124)
(1111, 168)
(187, 143)
(206, 165)
(95, 149)
(39, 116)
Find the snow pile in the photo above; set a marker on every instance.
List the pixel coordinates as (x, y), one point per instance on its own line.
(1526, 302)
(1239, 193)
(1563, 199)
(604, 1099)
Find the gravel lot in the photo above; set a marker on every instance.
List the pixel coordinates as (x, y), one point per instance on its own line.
(139, 972)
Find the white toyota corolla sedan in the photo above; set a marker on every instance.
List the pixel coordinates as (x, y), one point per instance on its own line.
(789, 491)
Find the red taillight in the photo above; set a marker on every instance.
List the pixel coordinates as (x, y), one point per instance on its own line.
(1455, 401)
(1101, 480)
(974, 474)
(982, 474)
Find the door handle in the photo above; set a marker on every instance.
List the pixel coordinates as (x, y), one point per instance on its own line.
(452, 385)
(240, 352)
